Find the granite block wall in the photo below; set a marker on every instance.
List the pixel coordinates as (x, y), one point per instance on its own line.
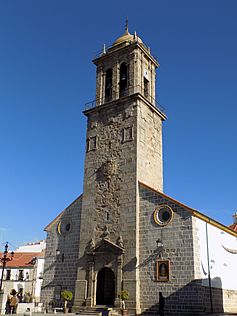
(61, 255)
(183, 293)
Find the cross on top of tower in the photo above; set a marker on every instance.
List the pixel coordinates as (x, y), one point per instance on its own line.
(127, 37)
(126, 25)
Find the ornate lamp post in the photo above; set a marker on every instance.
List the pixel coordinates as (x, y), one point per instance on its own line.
(4, 261)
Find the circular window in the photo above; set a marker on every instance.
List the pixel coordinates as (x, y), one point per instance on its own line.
(163, 214)
(63, 227)
(67, 227)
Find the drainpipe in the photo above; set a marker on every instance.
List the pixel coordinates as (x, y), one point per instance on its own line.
(209, 272)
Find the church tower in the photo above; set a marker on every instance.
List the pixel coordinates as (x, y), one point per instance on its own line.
(123, 232)
(123, 147)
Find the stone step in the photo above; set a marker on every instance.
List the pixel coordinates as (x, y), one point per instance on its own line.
(100, 311)
(89, 313)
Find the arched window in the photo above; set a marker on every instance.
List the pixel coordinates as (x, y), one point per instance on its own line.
(123, 80)
(108, 84)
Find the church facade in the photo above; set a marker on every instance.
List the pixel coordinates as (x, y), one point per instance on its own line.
(123, 232)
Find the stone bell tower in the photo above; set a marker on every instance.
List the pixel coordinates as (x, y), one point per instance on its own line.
(124, 146)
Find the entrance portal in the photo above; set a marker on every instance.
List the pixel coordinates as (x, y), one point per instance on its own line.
(105, 291)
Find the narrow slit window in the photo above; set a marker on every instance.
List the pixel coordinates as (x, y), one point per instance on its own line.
(127, 134)
(91, 143)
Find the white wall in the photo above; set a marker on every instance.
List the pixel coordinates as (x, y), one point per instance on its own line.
(222, 263)
(39, 280)
(32, 247)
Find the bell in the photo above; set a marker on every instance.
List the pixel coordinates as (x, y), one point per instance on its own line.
(123, 77)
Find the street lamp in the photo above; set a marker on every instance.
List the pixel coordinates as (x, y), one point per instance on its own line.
(159, 247)
(4, 261)
(58, 253)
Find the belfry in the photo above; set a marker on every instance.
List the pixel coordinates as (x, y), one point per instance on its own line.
(123, 232)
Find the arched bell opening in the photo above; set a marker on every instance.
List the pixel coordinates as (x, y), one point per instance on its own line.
(146, 87)
(108, 84)
(105, 289)
(123, 80)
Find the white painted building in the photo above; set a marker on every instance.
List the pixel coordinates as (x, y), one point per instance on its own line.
(38, 246)
(24, 273)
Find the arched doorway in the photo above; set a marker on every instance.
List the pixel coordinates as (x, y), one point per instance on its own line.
(105, 290)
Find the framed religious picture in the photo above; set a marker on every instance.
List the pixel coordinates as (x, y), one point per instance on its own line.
(162, 270)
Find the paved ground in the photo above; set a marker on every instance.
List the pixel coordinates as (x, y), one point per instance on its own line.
(85, 314)
(90, 314)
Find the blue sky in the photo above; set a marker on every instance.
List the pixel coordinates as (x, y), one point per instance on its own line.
(46, 77)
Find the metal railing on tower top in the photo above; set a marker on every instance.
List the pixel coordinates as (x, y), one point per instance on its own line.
(118, 94)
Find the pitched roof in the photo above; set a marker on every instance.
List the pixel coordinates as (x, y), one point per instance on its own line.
(22, 259)
(106, 245)
(194, 212)
(60, 215)
(233, 227)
